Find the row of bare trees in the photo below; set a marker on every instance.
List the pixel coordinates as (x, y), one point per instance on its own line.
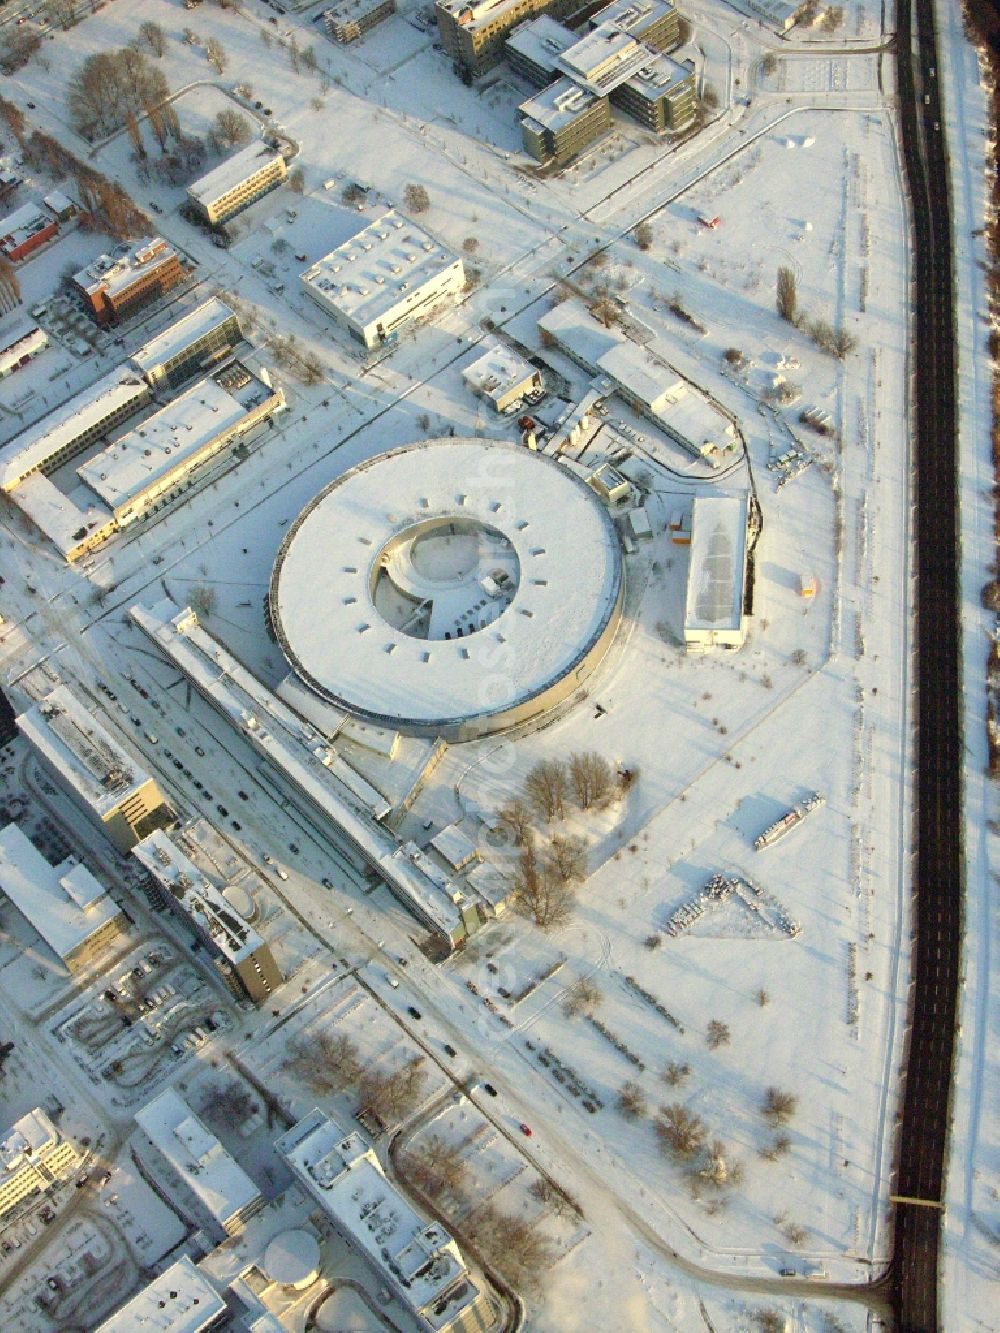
(330, 1062)
(512, 1244)
(105, 205)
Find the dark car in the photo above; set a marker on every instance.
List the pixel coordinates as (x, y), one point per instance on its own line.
(326, 882)
(243, 796)
(222, 810)
(178, 765)
(489, 1089)
(292, 847)
(414, 1013)
(237, 827)
(199, 751)
(450, 1050)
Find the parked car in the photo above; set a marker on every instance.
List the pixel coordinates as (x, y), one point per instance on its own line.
(413, 1012)
(525, 1129)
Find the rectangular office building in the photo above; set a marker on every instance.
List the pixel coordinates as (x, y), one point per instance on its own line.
(113, 287)
(390, 274)
(70, 909)
(237, 182)
(105, 781)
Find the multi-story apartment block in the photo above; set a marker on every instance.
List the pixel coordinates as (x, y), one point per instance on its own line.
(348, 20)
(115, 286)
(195, 343)
(474, 34)
(237, 182)
(33, 1157)
(608, 63)
(241, 956)
(107, 784)
(559, 122)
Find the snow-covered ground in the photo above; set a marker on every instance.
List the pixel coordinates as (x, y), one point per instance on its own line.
(800, 165)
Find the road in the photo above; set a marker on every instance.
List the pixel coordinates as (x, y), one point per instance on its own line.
(938, 867)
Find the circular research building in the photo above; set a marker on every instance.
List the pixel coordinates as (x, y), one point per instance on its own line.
(449, 589)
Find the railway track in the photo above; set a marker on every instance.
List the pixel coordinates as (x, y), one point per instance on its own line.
(938, 881)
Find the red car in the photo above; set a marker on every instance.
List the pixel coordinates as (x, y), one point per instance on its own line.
(525, 1129)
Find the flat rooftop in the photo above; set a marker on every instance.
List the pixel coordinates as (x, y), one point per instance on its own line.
(180, 1300)
(718, 557)
(605, 58)
(162, 442)
(115, 271)
(369, 274)
(218, 1181)
(342, 1172)
(558, 105)
(541, 40)
(64, 732)
(27, 1136)
(232, 173)
(198, 896)
(630, 14)
(498, 368)
(22, 223)
(33, 447)
(180, 335)
(485, 12)
(530, 513)
(64, 903)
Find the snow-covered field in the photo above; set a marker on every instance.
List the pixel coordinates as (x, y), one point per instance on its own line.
(800, 166)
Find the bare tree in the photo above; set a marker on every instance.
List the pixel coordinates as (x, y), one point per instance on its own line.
(643, 235)
(762, 997)
(436, 1167)
(549, 1195)
(135, 134)
(786, 294)
(779, 1107)
(13, 117)
(10, 287)
(108, 85)
(583, 997)
(631, 1100)
(231, 128)
(62, 12)
(546, 788)
(675, 1074)
(567, 859)
(539, 894)
(470, 245)
(215, 54)
(392, 1095)
(515, 818)
(154, 37)
(717, 1034)
(513, 1245)
(416, 198)
(155, 117)
(326, 1063)
(296, 181)
(680, 1131)
(592, 778)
